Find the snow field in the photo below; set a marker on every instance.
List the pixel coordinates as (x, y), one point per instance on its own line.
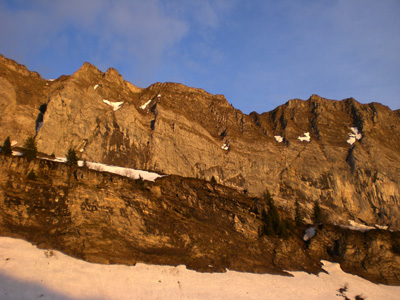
(30, 273)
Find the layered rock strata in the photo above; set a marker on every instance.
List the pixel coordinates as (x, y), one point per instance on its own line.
(106, 218)
(342, 153)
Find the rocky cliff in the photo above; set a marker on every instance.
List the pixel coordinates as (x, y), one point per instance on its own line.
(107, 218)
(342, 153)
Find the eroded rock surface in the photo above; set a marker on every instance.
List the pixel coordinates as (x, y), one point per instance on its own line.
(106, 218)
(175, 129)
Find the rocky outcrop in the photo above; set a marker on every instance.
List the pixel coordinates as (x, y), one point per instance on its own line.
(21, 94)
(304, 150)
(106, 218)
(374, 254)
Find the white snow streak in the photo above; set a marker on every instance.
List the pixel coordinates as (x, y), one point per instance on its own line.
(381, 227)
(355, 135)
(114, 105)
(127, 172)
(359, 227)
(17, 153)
(27, 272)
(305, 137)
(96, 86)
(144, 106)
(56, 159)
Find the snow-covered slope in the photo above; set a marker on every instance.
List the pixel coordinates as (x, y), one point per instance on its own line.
(127, 172)
(30, 273)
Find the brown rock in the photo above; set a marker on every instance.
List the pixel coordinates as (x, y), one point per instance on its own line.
(191, 133)
(106, 218)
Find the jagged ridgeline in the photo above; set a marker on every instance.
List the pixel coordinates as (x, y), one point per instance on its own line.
(341, 153)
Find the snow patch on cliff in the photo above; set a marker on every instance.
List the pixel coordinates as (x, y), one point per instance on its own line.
(17, 153)
(144, 106)
(60, 159)
(359, 227)
(56, 159)
(363, 228)
(306, 137)
(114, 105)
(127, 172)
(354, 135)
(278, 138)
(381, 227)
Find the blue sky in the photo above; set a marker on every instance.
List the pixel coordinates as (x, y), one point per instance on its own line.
(259, 54)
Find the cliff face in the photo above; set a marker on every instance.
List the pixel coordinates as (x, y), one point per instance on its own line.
(21, 94)
(297, 151)
(106, 218)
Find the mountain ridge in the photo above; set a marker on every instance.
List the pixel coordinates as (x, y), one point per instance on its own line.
(174, 129)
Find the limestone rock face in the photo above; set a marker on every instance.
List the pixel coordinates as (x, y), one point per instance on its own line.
(106, 218)
(21, 94)
(342, 153)
(362, 253)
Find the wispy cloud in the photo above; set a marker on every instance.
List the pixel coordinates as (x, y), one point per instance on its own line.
(274, 49)
(107, 32)
(129, 35)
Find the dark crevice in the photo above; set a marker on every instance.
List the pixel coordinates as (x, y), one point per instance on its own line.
(223, 133)
(350, 159)
(256, 119)
(314, 120)
(283, 122)
(358, 120)
(39, 119)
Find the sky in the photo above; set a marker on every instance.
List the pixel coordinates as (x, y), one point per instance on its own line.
(259, 54)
